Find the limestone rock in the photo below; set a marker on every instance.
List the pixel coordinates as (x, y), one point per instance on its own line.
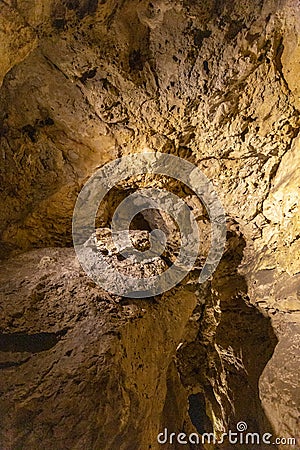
(17, 39)
(80, 368)
(86, 82)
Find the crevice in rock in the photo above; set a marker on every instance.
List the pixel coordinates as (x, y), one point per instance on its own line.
(9, 364)
(197, 413)
(31, 343)
(231, 348)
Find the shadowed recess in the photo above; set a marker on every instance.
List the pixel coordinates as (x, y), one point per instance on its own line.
(31, 343)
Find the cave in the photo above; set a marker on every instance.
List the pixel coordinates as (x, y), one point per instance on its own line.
(149, 224)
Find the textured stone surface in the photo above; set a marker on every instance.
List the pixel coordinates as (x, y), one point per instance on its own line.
(215, 82)
(79, 368)
(201, 82)
(17, 38)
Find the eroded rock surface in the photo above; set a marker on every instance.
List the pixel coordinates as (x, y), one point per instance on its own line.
(85, 82)
(17, 38)
(80, 368)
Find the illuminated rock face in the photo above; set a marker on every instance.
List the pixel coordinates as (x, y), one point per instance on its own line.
(17, 38)
(81, 369)
(85, 82)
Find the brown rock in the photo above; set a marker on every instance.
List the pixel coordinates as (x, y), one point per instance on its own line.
(85, 82)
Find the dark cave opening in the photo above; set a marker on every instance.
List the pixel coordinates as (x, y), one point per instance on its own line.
(197, 413)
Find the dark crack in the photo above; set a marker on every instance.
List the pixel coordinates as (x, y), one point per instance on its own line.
(31, 343)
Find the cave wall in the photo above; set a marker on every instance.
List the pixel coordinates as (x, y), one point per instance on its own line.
(208, 80)
(215, 82)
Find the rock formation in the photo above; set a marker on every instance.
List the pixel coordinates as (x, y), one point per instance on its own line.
(84, 82)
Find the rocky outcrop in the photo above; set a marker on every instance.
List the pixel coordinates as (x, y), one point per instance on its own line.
(80, 368)
(86, 82)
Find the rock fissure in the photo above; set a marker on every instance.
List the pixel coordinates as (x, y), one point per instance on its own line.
(83, 83)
